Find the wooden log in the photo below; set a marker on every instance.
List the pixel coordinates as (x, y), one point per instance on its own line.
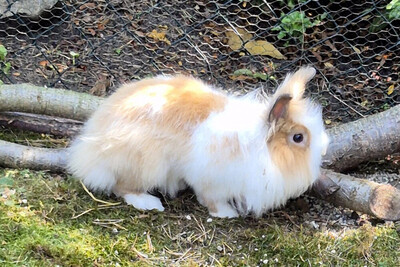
(370, 138)
(47, 101)
(379, 200)
(40, 123)
(19, 156)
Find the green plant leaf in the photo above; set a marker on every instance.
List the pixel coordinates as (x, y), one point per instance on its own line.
(5, 181)
(117, 51)
(3, 53)
(243, 72)
(7, 67)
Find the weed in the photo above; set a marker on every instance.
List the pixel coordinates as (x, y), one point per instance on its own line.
(3, 55)
(295, 24)
(75, 56)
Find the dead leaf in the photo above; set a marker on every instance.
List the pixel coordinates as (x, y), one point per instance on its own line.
(100, 87)
(61, 67)
(328, 65)
(358, 51)
(263, 48)
(328, 121)
(139, 33)
(16, 74)
(87, 5)
(390, 89)
(43, 63)
(316, 54)
(159, 36)
(91, 31)
(100, 27)
(235, 41)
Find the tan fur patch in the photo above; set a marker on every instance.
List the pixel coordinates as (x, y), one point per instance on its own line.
(190, 103)
(182, 101)
(125, 186)
(291, 159)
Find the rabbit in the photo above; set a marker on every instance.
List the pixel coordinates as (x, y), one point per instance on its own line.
(170, 133)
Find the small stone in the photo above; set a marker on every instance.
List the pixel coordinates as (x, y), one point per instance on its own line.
(263, 236)
(188, 217)
(276, 260)
(219, 248)
(314, 224)
(114, 231)
(24, 201)
(255, 249)
(209, 220)
(239, 247)
(265, 261)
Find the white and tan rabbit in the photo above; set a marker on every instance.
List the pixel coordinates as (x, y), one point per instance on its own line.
(167, 133)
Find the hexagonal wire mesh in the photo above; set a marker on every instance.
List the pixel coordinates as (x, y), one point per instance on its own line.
(238, 45)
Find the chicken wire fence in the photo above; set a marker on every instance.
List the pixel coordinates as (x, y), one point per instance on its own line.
(94, 46)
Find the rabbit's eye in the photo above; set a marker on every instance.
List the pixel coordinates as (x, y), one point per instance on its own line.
(298, 138)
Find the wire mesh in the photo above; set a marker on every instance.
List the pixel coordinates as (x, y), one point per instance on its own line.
(237, 45)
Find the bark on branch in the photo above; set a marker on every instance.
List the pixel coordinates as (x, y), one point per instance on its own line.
(35, 158)
(40, 123)
(47, 101)
(363, 140)
(380, 200)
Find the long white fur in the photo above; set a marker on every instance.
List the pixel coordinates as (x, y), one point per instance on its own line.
(99, 156)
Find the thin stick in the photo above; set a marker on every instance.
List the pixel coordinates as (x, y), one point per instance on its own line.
(99, 200)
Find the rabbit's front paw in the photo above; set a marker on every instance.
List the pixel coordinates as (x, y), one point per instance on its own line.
(223, 210)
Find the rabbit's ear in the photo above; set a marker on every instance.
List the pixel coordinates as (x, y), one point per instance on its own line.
(280, 108)
(294, 84)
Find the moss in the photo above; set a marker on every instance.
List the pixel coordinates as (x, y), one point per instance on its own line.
(40, 226)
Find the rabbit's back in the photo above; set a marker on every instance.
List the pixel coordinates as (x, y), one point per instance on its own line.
(141, 134)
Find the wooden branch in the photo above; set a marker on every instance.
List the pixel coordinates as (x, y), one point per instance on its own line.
(379, 200)
(40, 123)
(363, 140)
(20, 156)
(47, 101)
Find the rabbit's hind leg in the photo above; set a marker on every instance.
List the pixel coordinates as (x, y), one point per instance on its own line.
(143, 201)
(140, 200)
(219, 208)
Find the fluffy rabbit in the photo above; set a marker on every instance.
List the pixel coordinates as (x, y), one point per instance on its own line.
(167, 133)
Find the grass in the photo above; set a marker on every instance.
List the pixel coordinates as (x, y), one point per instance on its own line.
(43, 223)
(50, 220)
